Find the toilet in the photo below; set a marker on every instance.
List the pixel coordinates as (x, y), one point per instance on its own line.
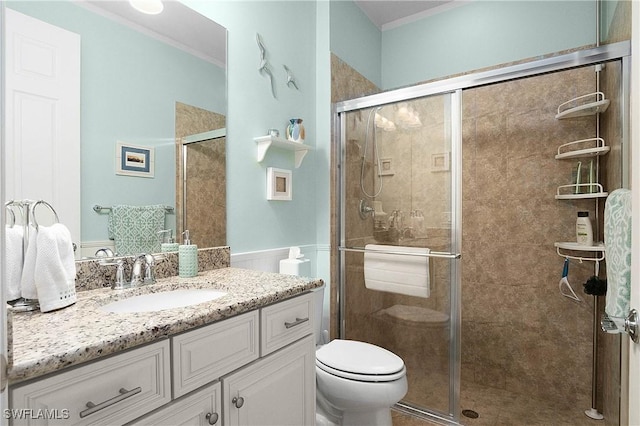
(357, 383)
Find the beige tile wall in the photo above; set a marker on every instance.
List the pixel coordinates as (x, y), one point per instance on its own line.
(513, 314)
(206, 189)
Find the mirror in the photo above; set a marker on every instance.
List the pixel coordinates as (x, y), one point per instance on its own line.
(142, 78)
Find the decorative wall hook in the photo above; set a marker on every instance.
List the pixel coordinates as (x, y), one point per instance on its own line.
(264, 67)
(291, 80)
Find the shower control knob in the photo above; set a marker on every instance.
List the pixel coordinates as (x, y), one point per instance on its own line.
(238, 401)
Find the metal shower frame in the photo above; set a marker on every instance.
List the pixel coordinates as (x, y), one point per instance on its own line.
(454, 87)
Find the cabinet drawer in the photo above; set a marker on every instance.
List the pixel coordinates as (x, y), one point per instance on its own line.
(110, 391)
(286, 322)
(203, 355)
(202, 407)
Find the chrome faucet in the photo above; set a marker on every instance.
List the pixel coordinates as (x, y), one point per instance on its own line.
(142, 271)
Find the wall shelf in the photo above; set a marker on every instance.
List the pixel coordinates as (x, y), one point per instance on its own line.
(600, 104)
(266, 142)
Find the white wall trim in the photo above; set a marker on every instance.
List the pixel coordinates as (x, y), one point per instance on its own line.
(269, 260)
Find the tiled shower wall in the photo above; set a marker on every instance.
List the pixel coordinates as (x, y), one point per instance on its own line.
(519, 334)
(206, 189)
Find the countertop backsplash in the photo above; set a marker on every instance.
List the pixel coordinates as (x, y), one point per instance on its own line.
(91, 274)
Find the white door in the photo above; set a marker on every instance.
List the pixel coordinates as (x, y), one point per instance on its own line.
(634, 349)
(42, 124)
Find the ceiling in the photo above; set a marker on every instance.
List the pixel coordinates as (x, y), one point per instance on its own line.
(207, 39)
(177, 25)
(391, 13)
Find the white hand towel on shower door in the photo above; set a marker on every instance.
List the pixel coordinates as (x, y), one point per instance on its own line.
(404, 273)
(55, 271)
(28, 283)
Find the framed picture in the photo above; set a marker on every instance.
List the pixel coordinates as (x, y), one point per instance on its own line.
(440, 162)
(278, 184)
(133, 160)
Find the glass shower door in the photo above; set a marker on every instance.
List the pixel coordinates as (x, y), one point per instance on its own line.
(400, 210)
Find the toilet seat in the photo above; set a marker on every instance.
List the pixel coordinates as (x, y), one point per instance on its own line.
(359, 361)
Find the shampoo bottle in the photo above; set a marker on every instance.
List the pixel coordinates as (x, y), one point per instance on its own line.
(168, 244)
(584, 231)
(187, 258)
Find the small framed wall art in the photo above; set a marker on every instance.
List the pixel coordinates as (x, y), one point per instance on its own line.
(279, 184)
(134, 160)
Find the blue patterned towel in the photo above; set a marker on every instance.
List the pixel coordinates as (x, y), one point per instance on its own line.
(134, 229)
(617, 242)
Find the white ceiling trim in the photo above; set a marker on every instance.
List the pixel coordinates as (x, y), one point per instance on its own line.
(424, 14)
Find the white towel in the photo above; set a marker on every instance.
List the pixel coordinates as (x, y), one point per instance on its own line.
(28, 282)
(397, 273)
(55, 269)
(13, 239)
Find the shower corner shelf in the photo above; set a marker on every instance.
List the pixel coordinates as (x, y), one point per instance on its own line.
(597, 249)
(599, 149)
(591, 108)
(266, 142)
(574, 194)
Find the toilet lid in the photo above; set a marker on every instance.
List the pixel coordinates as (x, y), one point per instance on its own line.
(359, 361)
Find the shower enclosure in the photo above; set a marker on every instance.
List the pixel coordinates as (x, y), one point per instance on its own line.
(465, 169)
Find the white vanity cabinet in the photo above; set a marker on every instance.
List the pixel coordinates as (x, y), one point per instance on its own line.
(198, 409)
(111, 391)
(277, 390)
(257, 368)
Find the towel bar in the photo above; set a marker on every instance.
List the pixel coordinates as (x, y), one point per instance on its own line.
(98, 208)
(430, 254)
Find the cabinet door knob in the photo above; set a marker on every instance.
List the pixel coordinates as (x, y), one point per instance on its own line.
(238, 401)
(212, 418)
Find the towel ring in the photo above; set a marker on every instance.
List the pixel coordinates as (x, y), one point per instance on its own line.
(8, 208)
(33, 211)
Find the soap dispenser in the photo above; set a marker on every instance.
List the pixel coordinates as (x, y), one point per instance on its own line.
(168, 243)
(187, 258)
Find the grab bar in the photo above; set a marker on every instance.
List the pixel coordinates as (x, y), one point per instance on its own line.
(98, 208)
(442, 255)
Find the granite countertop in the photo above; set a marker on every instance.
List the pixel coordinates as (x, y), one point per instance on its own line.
(47, 342)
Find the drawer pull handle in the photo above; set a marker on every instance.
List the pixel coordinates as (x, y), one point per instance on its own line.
(238, 401)
(298, 321)
(212, 418)
(124, 394)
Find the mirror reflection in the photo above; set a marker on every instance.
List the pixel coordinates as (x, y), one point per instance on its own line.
(146, 82)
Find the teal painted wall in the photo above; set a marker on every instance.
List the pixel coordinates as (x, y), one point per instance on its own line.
(482, 34)
(124, 98)
(288, 29)
(356, 40)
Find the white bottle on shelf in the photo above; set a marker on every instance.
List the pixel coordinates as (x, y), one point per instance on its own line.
(584, 230)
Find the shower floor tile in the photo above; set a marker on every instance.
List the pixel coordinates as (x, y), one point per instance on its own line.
(497, 407)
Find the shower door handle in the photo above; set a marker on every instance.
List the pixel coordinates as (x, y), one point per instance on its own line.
(631, 326)
(436, 254)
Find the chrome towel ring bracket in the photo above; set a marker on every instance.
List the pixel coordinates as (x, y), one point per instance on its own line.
(33, 212)
(8, 207)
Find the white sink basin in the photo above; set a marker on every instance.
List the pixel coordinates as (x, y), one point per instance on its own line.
(164, 300)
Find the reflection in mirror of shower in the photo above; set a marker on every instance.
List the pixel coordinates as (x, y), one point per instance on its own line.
(208, 168)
